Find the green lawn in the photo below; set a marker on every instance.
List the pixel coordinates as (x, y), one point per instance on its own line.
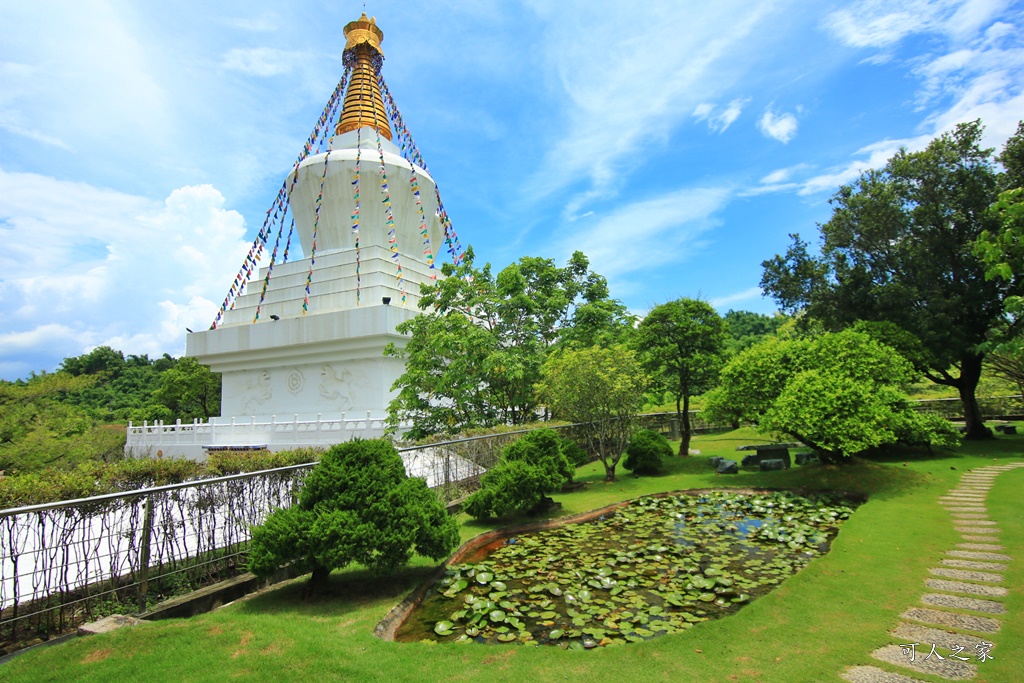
(828, 617)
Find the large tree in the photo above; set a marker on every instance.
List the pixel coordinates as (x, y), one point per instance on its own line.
(680, 345)
(601, 388)
(475, 353)
(839, 393)
(190, 390)
(899, 249)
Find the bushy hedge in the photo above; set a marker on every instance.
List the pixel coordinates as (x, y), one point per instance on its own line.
(98, 478)
(645, 452)
(357, 505)
(529, 468)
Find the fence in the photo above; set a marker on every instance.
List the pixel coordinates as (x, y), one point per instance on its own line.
(992, 408)
(68, 562)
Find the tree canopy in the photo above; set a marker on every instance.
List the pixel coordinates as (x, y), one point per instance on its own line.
(600, 387)
(839, 393)
(190, 390)
(357, 505)
(899, 248)
(529, 467)
(680, 345)
(475, 353)
(745, 328)
(77, 414)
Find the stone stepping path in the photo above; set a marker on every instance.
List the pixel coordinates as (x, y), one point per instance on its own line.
(978, 556)
(952, 669)
(979, 546)
(958, 602)
(971, 564)
(970, 588)
(872, 674)
(955, 620)
(966, 574)
(966, 584)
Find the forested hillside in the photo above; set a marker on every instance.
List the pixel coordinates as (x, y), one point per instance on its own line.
(79, 413)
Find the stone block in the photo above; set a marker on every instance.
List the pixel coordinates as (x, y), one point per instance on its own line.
(107, 624)
(728, 467)
(772, 464)
(716, 460)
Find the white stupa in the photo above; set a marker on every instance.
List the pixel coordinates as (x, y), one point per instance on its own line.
(307, 367)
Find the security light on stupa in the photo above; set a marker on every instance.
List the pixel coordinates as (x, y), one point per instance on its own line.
(300, 343)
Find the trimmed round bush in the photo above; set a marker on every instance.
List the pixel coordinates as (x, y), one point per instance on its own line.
(645, 452)
(529, 468)
(356, 506)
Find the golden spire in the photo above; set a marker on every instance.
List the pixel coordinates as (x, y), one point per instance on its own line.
(363, 105)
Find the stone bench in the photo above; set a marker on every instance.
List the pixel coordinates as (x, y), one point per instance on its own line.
(804, 458)
(769, 464)
(774, 451)
(727, 467)
(1006, 429)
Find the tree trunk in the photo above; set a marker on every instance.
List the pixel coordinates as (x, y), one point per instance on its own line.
(317, 580)
(609, 470)
(970, 374)
(684, 422)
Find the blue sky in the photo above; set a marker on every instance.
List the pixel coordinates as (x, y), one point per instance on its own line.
(141, 143)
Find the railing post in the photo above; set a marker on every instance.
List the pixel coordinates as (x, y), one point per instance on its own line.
(144, 553)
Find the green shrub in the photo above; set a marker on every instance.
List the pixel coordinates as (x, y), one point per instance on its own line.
(529, 468)
(94, 478)
(357, 505)
(645, 452)
(576, 454)
(222, 463)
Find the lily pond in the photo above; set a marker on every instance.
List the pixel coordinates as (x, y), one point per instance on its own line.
(654, 566)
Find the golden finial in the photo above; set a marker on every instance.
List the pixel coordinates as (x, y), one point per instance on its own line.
(363, 30)
(363, 104)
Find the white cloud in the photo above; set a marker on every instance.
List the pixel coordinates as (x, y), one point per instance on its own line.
(721, 121)
(980, 74)
(703, 110)
(87, 75)
(620, 101)
(646, 233)
(781, 127)
(745, 295)
(881, 23)
(84, 266)
(874, 155)
(263, 61)
(783, 174)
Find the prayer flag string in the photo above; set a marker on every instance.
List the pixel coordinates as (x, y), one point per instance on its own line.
(316, 227)
(412, 154)
(390, 219)
(355, 207)
(279, 208)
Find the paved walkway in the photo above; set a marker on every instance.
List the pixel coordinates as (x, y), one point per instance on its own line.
(954, 628)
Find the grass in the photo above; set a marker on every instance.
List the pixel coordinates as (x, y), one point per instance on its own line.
(829, 616)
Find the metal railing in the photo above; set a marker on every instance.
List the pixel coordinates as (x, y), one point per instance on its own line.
(993, 407)
(68, 562)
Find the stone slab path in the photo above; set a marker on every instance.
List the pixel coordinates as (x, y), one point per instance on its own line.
(954, 628)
